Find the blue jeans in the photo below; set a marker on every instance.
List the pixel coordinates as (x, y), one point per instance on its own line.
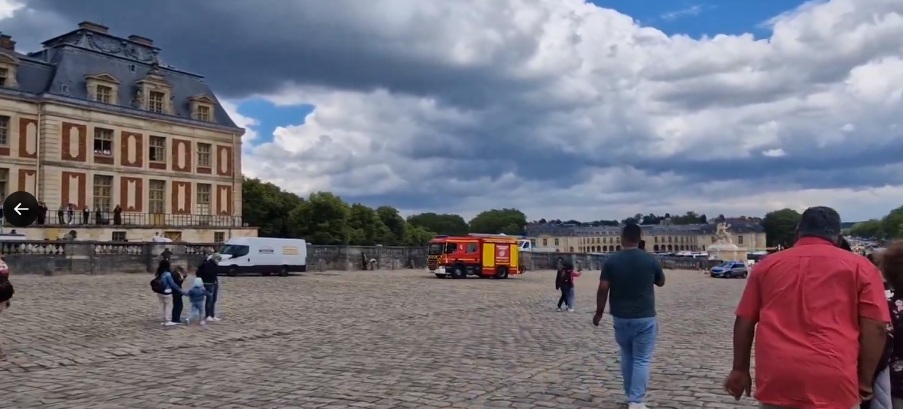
(636, 337)
(567, 297)
(210, 303)
(195, 313)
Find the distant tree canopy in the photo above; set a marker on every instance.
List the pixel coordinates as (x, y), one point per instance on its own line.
(324, 218)
(780, 227)
(651, 218)
(887, 227)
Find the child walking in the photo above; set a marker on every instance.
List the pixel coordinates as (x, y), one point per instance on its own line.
(196, 296)
(564, 281)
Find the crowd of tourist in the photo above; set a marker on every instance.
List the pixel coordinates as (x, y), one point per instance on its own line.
(168, 284)
(827, 321)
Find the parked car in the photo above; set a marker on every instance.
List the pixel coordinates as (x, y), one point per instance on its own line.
(731, 269)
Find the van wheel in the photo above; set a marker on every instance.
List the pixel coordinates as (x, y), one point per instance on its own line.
(233, 271)
(458, 272)
(744, 275)
(501, 273)
(283, 272)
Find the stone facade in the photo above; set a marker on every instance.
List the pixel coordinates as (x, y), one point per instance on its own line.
(85, 257)
(659, 238)
(97, 121)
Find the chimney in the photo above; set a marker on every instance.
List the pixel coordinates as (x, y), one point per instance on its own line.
(99, 28)
(7, 43)
(141, 40)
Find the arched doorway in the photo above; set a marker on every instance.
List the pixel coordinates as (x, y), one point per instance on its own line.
(655, 248)
(618, 248)
(670, 248)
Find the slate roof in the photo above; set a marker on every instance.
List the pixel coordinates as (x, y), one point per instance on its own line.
(59, 71)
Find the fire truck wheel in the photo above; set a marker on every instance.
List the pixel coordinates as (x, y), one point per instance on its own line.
(458, 272)
(502, 273)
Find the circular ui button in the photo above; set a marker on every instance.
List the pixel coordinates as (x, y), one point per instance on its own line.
(20, 209)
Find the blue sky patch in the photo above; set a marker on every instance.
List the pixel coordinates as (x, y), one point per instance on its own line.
(270, 116)
(700, 18)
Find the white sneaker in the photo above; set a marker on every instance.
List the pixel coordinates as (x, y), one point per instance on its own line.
(559, 308)
(170, 323)
(214, 319)
(570, 310)
(202, 322)
(637, 406)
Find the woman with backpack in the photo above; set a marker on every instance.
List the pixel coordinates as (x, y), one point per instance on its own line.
(166, 288)
(564, 282)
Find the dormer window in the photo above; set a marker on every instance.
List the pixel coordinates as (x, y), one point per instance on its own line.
(155, 102)
(202, 108)
(154, 93)
(204, 113)
(103, 94)
(103, 88)
(8, 65)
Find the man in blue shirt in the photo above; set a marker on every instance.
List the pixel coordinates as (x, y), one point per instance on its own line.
(628, 278)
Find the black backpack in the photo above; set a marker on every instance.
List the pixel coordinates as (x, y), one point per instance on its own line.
(6, 290)
(157, 285)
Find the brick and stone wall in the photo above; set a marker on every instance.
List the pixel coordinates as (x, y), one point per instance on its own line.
(86, 257)
(83, 257)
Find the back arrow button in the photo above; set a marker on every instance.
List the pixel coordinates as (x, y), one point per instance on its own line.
(19, 209)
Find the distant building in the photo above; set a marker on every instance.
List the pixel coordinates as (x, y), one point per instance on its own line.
(659, 238)
(98, 121)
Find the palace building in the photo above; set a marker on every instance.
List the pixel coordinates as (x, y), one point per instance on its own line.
(97, 121)
(659, 238)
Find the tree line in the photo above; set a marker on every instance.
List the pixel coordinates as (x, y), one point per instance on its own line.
(780, 227)
(324, 218)
(639, 218)
(888, 227)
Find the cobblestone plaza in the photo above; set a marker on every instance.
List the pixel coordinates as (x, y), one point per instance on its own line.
(399, 339)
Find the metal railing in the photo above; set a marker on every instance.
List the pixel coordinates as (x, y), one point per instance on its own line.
(125, 219)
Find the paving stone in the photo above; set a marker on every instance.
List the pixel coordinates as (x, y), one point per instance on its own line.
(377, 339)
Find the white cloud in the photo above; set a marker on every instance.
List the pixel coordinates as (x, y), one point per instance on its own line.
(8, 7)
(558, 107)
(694, 10)
(601, 82)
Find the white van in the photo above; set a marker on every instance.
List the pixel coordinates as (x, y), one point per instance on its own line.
(262, 255)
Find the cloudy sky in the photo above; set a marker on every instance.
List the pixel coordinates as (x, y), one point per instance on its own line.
(562, 108)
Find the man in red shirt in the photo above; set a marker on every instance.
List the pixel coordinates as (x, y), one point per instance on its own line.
(819, 317)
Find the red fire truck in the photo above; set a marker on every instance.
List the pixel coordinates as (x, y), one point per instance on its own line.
(486, 256)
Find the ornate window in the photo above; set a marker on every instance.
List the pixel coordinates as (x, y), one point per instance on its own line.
(8, 65)
(157, 151)
(204, 155)
(157, 196)
(154, 93)
(103, 192)
(103, 88)
(203, 198)
(202, 108)
(4, 130)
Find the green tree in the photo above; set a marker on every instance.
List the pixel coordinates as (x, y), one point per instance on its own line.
(267, 206)
(868, 229)
(495, 221)
(417, 235)
(396, 224)
(892, 224)
(450, 224)
(780, 227)
(366, 228)
(322, 219)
